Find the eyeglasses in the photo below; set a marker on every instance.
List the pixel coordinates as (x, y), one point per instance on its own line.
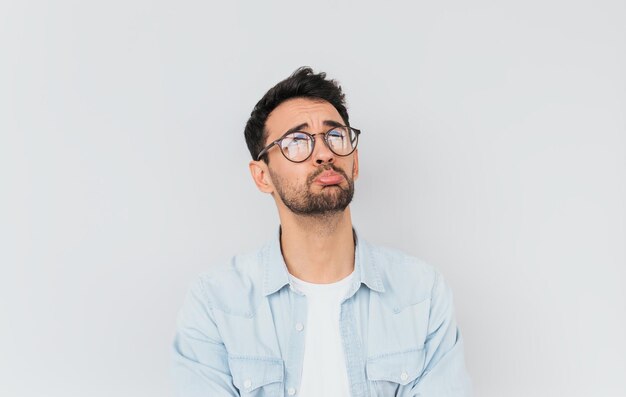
(297, 146)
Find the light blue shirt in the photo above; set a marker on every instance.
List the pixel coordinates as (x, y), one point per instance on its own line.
(241, 329)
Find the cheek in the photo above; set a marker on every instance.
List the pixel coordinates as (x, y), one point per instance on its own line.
(291, 177)
(349, 167)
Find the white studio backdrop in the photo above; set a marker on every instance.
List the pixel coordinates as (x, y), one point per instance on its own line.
(493, 147)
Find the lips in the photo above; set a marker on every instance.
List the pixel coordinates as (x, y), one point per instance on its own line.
(327, 178)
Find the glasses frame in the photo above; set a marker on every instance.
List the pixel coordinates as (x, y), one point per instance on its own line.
(312, 136)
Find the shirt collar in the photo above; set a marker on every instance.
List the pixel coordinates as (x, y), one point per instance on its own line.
(276, 275)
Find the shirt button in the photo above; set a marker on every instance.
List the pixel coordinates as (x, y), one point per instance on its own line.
(247, 383)
(404, 376)
(291, 391)
(299, 327)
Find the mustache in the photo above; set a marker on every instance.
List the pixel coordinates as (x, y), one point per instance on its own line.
(317, 173)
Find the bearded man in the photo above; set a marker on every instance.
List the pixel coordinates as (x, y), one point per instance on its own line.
(317, 311)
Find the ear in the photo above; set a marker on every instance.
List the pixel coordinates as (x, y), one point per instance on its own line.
(261, 176)
(355, 167)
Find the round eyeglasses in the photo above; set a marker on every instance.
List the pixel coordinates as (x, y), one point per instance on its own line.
(297, 146)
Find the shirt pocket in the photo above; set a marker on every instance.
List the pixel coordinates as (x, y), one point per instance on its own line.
(257, 376)
(389, 373)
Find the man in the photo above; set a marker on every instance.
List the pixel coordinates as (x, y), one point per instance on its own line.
(317, 311)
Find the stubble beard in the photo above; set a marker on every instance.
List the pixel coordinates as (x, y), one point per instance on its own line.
(331, 200)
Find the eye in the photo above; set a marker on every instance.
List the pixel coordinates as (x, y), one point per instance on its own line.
(337, 133)
(298, 137)
(295, 139)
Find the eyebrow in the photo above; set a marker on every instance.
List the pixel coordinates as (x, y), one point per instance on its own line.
(328, 123)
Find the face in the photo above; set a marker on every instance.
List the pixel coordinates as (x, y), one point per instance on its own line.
(321, 185)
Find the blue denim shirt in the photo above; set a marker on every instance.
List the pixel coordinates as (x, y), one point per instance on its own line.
(241, 329)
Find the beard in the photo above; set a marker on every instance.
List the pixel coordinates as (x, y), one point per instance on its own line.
(330, 200)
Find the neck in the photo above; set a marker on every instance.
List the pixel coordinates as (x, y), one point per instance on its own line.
(318, 249)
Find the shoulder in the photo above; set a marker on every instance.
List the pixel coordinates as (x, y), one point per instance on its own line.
(407, 279)
(234, 286)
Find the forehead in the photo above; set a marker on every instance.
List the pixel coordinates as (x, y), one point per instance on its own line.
(294, 112)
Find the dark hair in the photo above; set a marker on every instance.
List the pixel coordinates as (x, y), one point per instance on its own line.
(302, 83)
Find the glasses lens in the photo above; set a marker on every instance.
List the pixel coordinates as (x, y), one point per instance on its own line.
(296, 146)
(342, 140)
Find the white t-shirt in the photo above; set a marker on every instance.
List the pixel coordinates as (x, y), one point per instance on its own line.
(324, 368)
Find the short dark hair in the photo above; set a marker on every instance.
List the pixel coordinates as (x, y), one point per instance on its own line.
(302, 83)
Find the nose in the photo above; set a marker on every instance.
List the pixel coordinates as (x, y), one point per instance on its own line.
(321, 153)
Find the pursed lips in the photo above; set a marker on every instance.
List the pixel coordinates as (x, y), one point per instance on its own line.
(328, 178)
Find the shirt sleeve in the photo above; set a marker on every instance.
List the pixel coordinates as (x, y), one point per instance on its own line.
(200, 361)
(444, 373)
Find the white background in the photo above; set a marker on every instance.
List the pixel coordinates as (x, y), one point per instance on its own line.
(493, 147)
